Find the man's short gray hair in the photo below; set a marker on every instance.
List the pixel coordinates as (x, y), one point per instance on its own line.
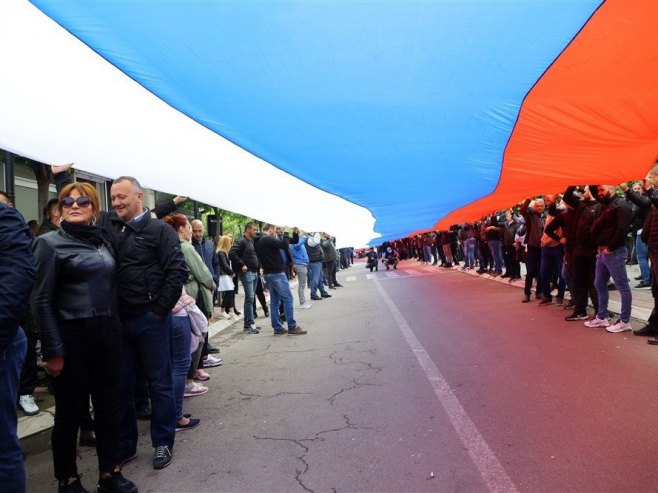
(131, 179)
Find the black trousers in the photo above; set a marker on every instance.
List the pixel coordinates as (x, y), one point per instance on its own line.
(533, 268)
(653, 262)
(91, 366)
(512, 265)
(331, 272)
(582, 281)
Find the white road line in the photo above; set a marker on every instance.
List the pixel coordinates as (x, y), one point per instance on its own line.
(412, 272)
(392, 274)
(490, 468)
(371, 276)
(350, 278)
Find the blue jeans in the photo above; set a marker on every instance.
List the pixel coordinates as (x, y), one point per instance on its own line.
(427, 252)
(280, 291)
(12, 472)
(249, 280)
(613, 265)
(497, 254)
(182, 358)
(315, 278)
(642, 253)
(469, 252)
(147, 340)
(551, 261)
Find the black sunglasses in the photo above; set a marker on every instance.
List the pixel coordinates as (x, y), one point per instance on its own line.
(81, 201)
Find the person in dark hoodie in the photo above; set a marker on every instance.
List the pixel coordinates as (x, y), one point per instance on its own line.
(609, 231)
(583, 250)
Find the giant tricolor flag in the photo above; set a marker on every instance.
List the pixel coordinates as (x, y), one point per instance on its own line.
(369, 119)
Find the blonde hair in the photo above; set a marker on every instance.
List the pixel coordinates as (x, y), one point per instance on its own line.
(224, 244)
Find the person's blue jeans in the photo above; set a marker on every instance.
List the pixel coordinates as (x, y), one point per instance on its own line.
(182, 358)
(315, 278)
(470, 252)
(551, 260)
(642, 253)
(613, 265)
(147, 340)
(566, 277)
(12, 472)
(497, 254)
(249, 280)
(280, 292)
(427, 251)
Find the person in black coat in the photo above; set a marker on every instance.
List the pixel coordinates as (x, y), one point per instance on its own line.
(74, 304)
(16, 280)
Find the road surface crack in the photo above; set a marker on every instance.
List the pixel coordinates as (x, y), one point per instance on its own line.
(300, 443)
(356, 385)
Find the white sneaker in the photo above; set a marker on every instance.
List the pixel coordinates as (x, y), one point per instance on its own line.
(193, 389)
(211, 361)
(619, 327)
(597, 322)
(28, 405)
(305, 306)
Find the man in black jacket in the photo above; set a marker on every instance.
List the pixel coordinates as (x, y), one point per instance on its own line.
(650, 237)
(271, 251)
(150, 278)
(16, 280)
(245, 264)
(609, 231)
(534, 220)
(583, 250)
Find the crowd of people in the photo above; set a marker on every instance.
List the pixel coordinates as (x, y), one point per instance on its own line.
(120, 303)
(578, 242)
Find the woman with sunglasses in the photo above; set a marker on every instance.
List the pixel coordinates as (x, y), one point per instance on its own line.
(75, 306)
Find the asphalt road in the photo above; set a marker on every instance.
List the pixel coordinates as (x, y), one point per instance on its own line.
(415, 380)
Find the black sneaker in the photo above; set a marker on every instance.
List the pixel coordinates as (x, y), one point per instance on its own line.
(297, 331)
(115, 483)
(213, 349)
(192, 423)
(280, 332)
(326, 295)
(162, 457)
(643, 284)
(316, 298)
(72, 485)
(576, 316)
(647, 330)
(252, 329)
